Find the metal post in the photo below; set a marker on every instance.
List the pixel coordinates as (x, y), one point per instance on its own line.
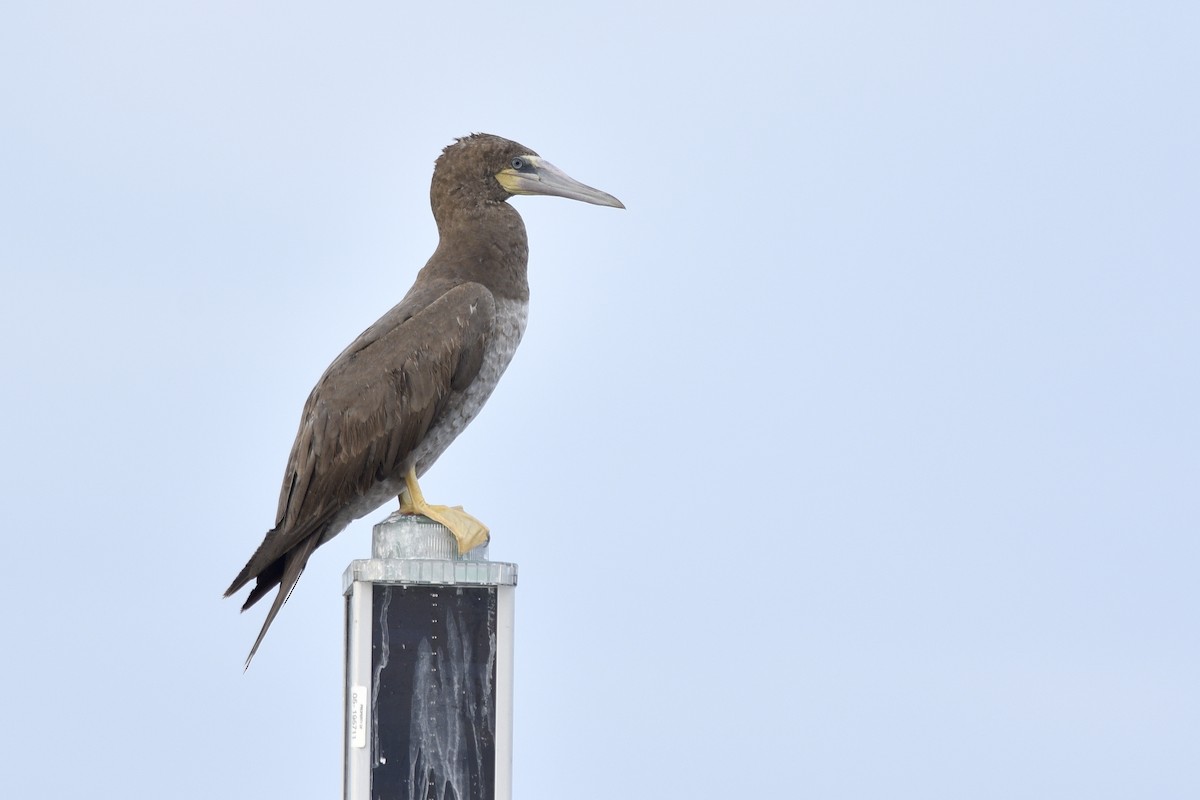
(429, 659)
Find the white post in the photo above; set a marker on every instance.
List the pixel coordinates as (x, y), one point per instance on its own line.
(429, 668)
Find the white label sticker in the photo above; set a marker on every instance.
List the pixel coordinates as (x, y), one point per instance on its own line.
(358, 716)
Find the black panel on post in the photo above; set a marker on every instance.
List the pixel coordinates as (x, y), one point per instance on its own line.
(433, 661)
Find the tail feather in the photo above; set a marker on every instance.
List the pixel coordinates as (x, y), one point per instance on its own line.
(286, 576)
(267, 580)
(267, 562)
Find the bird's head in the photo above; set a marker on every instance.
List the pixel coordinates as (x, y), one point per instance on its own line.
(493, 168)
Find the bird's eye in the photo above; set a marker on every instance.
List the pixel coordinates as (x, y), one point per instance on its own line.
(518, 163)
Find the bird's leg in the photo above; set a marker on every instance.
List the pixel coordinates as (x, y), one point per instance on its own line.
(468, 531)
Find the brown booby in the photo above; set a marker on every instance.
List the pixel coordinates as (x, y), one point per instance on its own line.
(392, 402)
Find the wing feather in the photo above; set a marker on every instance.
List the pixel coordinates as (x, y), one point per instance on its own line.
(367, 414)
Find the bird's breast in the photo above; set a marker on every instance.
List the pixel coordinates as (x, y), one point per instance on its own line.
(463, 406)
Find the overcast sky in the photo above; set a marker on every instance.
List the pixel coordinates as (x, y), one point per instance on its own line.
(857, 458)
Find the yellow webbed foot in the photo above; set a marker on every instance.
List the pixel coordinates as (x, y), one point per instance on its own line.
(467, 531)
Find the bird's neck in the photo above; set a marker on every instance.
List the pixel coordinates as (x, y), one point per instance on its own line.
(485, 243)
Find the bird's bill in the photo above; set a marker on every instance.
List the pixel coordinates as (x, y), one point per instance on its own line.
(542, 177)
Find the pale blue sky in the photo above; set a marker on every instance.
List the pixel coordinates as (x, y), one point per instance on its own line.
(858, 458)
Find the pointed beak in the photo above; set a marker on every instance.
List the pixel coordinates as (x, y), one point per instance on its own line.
(542, 177)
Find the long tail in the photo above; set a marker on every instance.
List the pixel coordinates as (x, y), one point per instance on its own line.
(293, 566)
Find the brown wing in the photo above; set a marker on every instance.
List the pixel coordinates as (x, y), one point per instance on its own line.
(377, 401)
(368, 411)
